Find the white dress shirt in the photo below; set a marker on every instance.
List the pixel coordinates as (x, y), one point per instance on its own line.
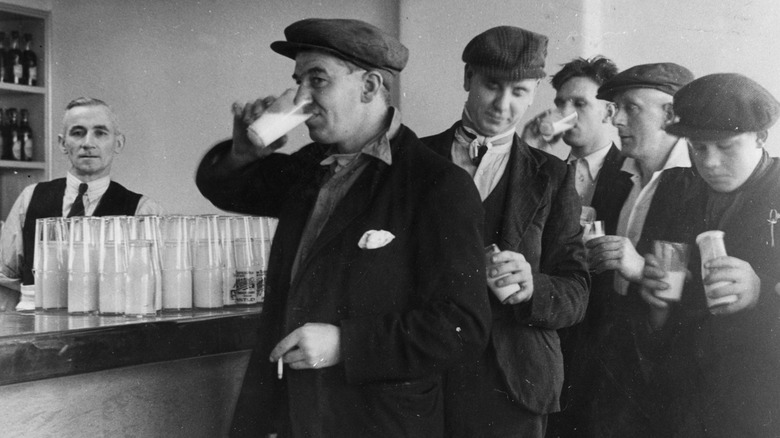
(587, 172)
(637, 204)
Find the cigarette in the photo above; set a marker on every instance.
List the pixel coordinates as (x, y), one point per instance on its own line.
(279, 368)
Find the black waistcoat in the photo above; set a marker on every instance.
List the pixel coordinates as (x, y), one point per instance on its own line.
(46, 202)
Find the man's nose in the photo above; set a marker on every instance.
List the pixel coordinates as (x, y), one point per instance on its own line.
(303, 94)
(89, 141)
(618, 119)
(502, 100)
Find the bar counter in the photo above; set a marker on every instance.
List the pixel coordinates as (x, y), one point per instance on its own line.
(90, 375)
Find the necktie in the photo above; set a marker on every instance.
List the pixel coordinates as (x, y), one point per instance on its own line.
(481, 150)
(78, 205)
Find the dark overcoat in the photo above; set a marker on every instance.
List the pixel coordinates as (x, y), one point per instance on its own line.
(407, 311)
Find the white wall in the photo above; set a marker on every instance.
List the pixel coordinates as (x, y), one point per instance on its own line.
(172, 68)
(705, 36)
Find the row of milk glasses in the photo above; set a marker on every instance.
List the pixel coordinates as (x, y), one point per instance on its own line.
(140, 265)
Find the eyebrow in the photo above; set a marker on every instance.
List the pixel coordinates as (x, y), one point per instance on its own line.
(310, 71)
(100, 127)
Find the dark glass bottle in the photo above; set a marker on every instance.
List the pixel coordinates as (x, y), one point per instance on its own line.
(14, 61)
(3, 56)
(13, 140)
(26, 134)
(4, 151)
(29, 62)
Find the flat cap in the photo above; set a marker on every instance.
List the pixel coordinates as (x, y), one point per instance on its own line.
(352, 40)
(508, 53)
(723, 105)
(665, 76)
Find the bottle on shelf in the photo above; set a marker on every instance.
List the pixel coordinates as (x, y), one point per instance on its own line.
(29, 62)
(14, 61)
(3, 56)
(27, 136)
(13, 139)
(4, 152)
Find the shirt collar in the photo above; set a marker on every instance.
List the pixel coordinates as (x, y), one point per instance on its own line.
(378, 148)
(678, 157)
(594, 160)
(96, 187)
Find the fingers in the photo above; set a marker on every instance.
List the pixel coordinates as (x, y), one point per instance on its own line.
(288, 343)
(649, 297)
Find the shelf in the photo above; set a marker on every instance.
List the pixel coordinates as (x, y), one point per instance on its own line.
(10, 164)
(6, 88)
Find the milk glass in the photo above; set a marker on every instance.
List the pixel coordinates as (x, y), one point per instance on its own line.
(176, 263)
(143, 230)
(228, 260)
(83, 240)
(50, 263)
(711, 246)
(261, 247)
(206, 263)
(141, 279)
(112, 267)
(247, 262)
(673, 259)
(284, 114)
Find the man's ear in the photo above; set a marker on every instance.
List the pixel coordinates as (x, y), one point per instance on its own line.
(669, 116)
(609, 112)
(120, 143)
(761, 137)
(372, 85)
(468, 74)
(61, 144)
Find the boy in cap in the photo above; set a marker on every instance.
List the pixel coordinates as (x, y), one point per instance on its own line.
(377, 260)
(532, 214)
(716, 368)
(643, 97)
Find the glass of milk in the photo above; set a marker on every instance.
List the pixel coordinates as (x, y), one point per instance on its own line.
(673, 258)
(284, 114)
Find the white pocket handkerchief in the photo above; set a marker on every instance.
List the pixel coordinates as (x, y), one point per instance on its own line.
(373, 239)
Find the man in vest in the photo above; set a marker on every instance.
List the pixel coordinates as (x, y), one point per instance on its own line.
(532, 215)
(90, 139)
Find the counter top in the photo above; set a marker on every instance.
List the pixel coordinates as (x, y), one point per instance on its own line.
(35, 346)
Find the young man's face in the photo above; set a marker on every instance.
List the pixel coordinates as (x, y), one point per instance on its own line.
(726, 164)
(640, 117)
(335, 93)
(90, 140)
(594, 116)
(496, 106)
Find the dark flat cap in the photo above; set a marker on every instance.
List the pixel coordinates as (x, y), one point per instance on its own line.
(352, 40)
(508, 53)
(723, 105)
(665, 76)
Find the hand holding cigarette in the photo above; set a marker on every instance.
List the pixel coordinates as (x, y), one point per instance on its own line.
(314, 345)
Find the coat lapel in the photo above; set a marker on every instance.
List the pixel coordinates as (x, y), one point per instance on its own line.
(526, 188)
(357, 201)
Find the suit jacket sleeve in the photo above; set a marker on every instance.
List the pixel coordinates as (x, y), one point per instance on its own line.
(237, 191)
(561, 286)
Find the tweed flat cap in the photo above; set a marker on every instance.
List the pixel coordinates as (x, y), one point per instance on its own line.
(508, 53)
(665, 76)
(723, 105)
(352, 40)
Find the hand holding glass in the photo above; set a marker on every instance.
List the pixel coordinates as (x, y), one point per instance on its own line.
(278, 119)
(673, 259)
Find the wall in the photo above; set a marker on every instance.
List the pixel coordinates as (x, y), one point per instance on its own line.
(171, 70)
(705, 36)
